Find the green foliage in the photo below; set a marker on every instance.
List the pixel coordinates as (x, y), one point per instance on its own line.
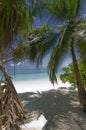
(68, 74)
(29, 48)
(19, 53)
(63, 9)
(82, 68)
(38, 32)
(44, 39)
(56, 40)
(82, 50)
(59, 52)
(80, 35)
(67, 11)
(15, 18)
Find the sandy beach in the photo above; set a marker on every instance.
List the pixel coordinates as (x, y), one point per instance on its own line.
(37, 85)
(51, 109)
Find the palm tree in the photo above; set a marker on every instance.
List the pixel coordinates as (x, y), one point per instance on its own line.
(15, 19)
(67, 11)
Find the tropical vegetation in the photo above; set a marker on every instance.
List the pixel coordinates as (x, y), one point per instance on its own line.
(16, 19)
(68, 74)
(65, 40)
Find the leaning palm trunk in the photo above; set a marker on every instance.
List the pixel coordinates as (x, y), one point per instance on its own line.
(11, 108)
(79, 83)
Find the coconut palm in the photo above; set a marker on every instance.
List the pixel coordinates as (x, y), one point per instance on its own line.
(15, 19)
(67, 11)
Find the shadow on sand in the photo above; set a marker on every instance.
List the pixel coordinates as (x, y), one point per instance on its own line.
(61, 109)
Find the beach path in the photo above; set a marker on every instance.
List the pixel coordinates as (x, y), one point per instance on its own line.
(60, 108)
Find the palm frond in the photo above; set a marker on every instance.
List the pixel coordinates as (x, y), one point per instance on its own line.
(82, 50)
(46, 46)
(76, 5)
(73, 8)
(64, 10)
(59, 52)
(55, 9)
(80, 35)
(15, 18)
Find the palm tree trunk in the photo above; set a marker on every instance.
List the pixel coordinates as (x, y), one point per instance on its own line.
(13, 108)
(79, 83)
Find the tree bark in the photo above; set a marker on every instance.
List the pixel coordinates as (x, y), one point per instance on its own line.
(13, 108)
(79, 82)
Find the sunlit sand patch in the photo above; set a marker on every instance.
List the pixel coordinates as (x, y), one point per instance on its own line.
(36, 124)
(37, 85)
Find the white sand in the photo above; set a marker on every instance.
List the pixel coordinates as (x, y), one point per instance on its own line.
(60, 109)
(35, 125)
(34, 86)
(70, 116)
(37, 85)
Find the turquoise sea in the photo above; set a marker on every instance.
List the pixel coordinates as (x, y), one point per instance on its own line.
(32, 75)
(29, 74)
(33, 80)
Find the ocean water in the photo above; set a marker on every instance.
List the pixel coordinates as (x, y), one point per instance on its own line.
(32, 75)
(34, 80)
(26, 74)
